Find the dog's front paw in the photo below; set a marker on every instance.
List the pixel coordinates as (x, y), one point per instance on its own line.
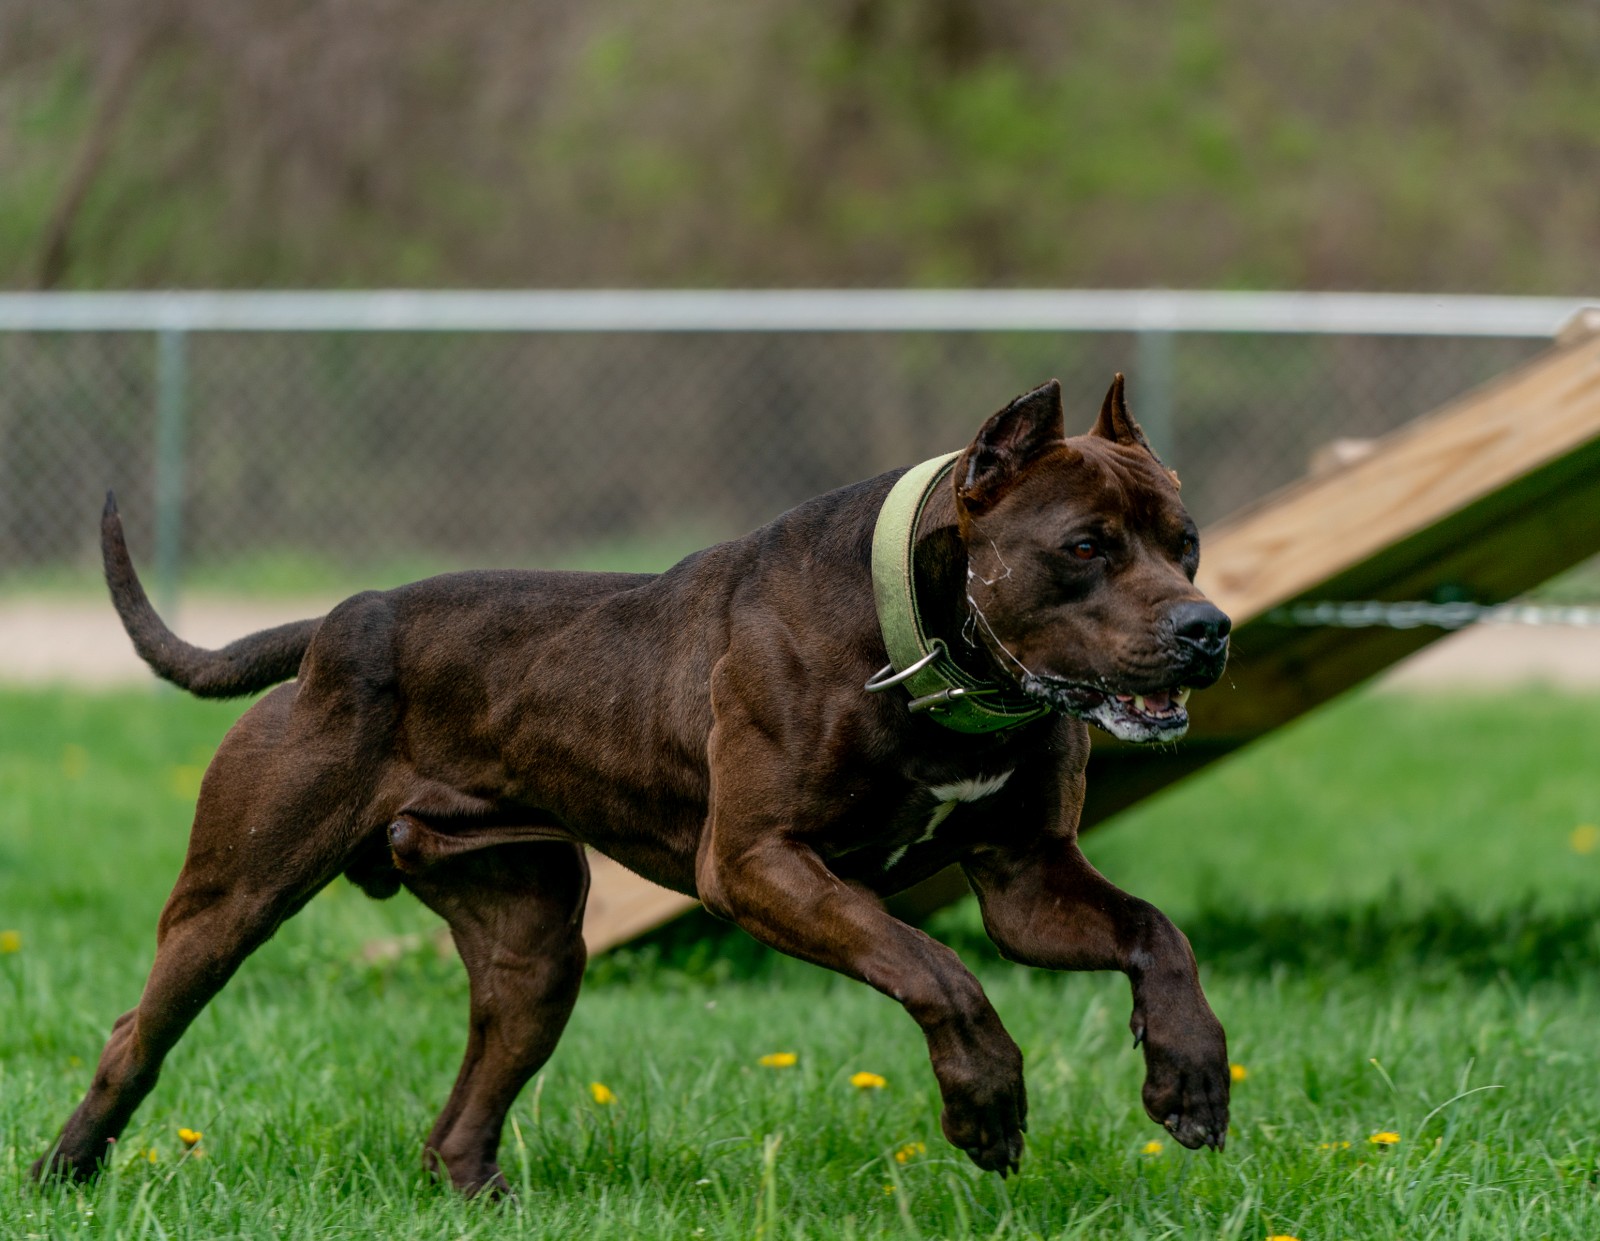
(986, 1112)
(1187, 1080)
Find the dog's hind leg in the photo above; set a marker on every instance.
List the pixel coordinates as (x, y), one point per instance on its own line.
(205, 935)
(263, 843)
(516, 914)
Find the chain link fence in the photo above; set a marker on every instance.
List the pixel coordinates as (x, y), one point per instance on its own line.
(246, 458)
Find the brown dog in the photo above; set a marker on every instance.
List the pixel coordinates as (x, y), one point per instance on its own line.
(708, 727)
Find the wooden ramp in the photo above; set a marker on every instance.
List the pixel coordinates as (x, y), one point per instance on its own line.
(1481, 500)
(622, 905)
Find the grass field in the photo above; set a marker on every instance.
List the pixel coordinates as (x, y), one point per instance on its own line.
(1395, 905)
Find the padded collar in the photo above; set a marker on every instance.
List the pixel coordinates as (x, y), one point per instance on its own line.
(937, 684)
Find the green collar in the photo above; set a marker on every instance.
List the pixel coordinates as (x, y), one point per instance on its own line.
(936, 683)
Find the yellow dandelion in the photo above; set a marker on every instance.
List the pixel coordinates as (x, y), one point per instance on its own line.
(1385, 1137)
(151, 1155)
(602, 1093)
(868, 1081)
(10, 941)
(1333, 1146)
(1238, 1072)
(888, 1189)
(778, 1060)
(909, 1152)
(1152, 1147)
(1282, 1236)
(1585, 838)
(190, 1137)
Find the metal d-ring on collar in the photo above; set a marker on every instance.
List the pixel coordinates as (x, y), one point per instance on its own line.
(936, 683)
(886, 677)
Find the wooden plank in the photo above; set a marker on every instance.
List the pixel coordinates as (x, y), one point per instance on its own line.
(1306, 534)
(623, 905)
(1489, 496)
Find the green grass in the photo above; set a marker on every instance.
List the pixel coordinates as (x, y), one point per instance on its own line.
(1393, 920)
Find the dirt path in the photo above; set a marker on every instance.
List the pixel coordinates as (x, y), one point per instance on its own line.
(81, 643)
(44, 641)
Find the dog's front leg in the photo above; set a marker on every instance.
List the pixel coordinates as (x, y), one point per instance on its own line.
(1044, 904)
(782, 893)
(754, 869)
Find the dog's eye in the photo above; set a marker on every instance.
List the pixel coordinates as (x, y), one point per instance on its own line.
(1191, 546)
(1084, 549)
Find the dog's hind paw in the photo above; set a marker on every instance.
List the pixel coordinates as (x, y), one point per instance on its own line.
(58, 1167)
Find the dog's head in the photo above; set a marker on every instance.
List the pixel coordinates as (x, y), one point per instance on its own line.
(1081, 562)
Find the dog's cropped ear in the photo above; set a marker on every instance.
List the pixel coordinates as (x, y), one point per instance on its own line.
(1117, 424)
(1008, 441)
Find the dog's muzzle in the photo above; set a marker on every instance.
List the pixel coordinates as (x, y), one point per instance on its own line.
(1199, 638)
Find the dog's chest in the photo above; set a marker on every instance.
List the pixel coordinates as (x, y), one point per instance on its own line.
(945, 798)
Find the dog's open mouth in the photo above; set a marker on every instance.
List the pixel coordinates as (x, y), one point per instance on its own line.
(1157, 716)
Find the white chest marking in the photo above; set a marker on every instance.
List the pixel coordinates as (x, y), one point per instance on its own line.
(947, 797)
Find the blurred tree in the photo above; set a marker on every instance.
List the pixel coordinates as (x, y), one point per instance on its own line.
(1449, 144)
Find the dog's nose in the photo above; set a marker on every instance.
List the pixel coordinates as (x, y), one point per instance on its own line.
(1202, 625)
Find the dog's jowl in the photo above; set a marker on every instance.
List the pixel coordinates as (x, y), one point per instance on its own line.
(886, 680)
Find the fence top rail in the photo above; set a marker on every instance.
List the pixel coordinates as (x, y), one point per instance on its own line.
(789, 310)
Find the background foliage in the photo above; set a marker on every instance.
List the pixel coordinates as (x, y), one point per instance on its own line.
(1438, 145)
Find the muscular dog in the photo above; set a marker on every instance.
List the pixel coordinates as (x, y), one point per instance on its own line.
(711, 727)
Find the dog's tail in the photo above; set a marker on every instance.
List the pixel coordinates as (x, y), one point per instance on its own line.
(244, 667)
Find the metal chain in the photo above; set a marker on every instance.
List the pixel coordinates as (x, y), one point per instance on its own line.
(1418, 614)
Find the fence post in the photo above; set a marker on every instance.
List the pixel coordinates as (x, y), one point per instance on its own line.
(172, 367)
(1152, 403)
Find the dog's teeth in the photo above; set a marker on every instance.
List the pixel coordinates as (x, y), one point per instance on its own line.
(1138, 702)
(1182, 696)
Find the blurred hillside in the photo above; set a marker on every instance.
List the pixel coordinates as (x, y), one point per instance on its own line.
(1438, 145)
